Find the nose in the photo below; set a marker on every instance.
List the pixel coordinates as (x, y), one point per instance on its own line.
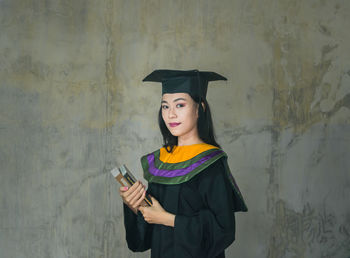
(172, 113)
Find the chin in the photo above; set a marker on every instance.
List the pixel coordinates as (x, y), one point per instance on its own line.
(174, 132)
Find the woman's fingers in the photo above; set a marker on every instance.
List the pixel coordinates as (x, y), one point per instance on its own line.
(134, 195)
(123, 189)
(136, 204)
(139, 201)
(134, 191)
(138, 195)
(127, 191)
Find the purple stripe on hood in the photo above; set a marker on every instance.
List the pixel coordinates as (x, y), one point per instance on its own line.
(177, 172)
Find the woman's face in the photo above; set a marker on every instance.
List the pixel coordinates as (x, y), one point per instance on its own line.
(180, 114)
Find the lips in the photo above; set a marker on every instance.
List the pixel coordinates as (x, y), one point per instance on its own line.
(174, 124)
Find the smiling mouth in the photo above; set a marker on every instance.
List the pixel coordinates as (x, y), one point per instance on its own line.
(174, 124)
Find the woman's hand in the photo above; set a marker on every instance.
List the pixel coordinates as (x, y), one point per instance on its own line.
(133, 196)
(155, 214)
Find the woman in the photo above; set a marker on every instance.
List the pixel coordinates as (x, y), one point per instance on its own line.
(193, 193)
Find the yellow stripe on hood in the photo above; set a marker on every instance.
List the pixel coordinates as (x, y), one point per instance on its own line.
(183, 153)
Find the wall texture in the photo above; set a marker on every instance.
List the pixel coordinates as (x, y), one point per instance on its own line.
(72, 105)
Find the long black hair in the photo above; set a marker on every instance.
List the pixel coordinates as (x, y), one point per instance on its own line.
(204, 125)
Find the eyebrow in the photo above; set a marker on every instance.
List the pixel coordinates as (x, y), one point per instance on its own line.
(179, 99)
(164, 101)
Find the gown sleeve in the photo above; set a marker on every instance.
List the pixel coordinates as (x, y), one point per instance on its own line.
(211, 229)
(138, 231)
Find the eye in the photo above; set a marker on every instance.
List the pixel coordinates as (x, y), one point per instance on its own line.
(180, 105)
(165, 107)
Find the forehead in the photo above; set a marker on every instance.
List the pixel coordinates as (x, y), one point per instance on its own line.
(169, 97)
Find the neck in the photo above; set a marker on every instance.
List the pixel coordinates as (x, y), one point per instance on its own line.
(188, 140)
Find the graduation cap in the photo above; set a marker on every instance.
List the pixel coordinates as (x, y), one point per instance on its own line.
(193, 82)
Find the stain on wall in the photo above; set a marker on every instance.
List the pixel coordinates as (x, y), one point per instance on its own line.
(73, 105)
(298, 234)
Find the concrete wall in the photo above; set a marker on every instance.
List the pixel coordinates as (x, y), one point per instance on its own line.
(72, 105)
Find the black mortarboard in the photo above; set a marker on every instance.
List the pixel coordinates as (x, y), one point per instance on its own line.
(193, 82)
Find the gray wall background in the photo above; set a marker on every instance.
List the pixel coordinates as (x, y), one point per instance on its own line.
(72, 105)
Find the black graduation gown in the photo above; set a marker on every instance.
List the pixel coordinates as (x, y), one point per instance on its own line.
(204, 217)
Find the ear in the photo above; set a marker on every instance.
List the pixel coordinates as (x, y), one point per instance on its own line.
(197, 110)
(203, 105)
